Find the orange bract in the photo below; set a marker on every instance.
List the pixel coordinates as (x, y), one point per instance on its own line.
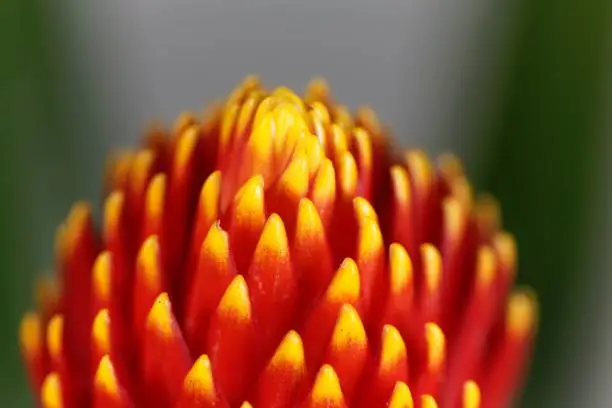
(278, 252)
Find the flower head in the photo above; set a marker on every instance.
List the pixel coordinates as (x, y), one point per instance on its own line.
(280, 251)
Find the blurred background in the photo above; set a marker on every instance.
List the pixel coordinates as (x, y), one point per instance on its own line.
(520, 89)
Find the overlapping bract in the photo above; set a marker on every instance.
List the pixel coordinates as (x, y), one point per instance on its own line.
(280, 251)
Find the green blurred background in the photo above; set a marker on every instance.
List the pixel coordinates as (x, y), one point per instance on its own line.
(536, 98)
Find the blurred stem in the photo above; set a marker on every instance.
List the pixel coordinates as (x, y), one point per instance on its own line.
(34, 170)
(544, 166)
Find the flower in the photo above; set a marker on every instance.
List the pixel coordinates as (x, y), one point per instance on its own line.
(280, 251)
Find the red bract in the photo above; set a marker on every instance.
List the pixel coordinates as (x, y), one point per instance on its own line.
(280, 251)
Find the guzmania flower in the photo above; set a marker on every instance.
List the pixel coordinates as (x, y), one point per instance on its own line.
(278, 251)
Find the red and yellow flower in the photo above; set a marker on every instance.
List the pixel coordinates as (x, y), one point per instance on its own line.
(279, 252)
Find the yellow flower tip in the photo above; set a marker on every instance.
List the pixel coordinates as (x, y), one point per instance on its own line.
(488, 212)
(505, 245)
(101, 278)
(450, 166)
(55, 332)
(51, 391)
(432, 267)
(321, 112)
(326, 388)
(200, 381)
(368, 117)
(186, 147)
(370, 239)
(364, 210)
(105, 378)
(101, 330)
(454, 217)
(339, 138)
(393, 348)
(142, 164)
(46, 292)
(156, 193)
(246, 404)
(400, 268)
(317, 89)
(324, 187)
(290, 352)
(427, 401)
(420, 168)
(401, 397)
(261, 140)
(314, 153)
(485, 267)
(30, 335)
(401, 183)
(160, 318)
(249, 201)
(294, 180)
(364, 143)
(216, 244)
(113, 207)
(345, 287)
(308, 221)
(471, 395)
(349, 329)
(79, 215)
(235, 301)
(347, 174)
(148, 260)
(521, 313)
(273, 241)
(435, 340)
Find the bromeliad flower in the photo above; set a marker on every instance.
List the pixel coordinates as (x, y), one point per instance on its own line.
(279, 251)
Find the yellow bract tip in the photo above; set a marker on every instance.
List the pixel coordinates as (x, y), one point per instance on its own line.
(345, 287)
(393, 348)
(521, 314)
(246, 404)
(401, 396)
(101, 330)
(160, 317)
(308, 221)
(400, 268)
(327, 386)
(216, 244)
(435, 340)
(273, 240)
(349, 329)
(364, 210)
(261, 140)
(209, 195)
(427, 401)
(148, 259)
(401, 183)
(102, 276)
(51, 392)
(235, 301)
(370, 239)
(113, 207)
(156, 193)
(294, 180)
(186, 146)
(471, 395)
(454, 218)
(55, 333)
(485, 267)
(505, 245)
(77, 218)
(324, 186)
(142, 164)
(200, 381)
(432, 267)
(347, 174)
(249, 201)
(420, 168)
(289, 352)
(30, 334)
(105, 376)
